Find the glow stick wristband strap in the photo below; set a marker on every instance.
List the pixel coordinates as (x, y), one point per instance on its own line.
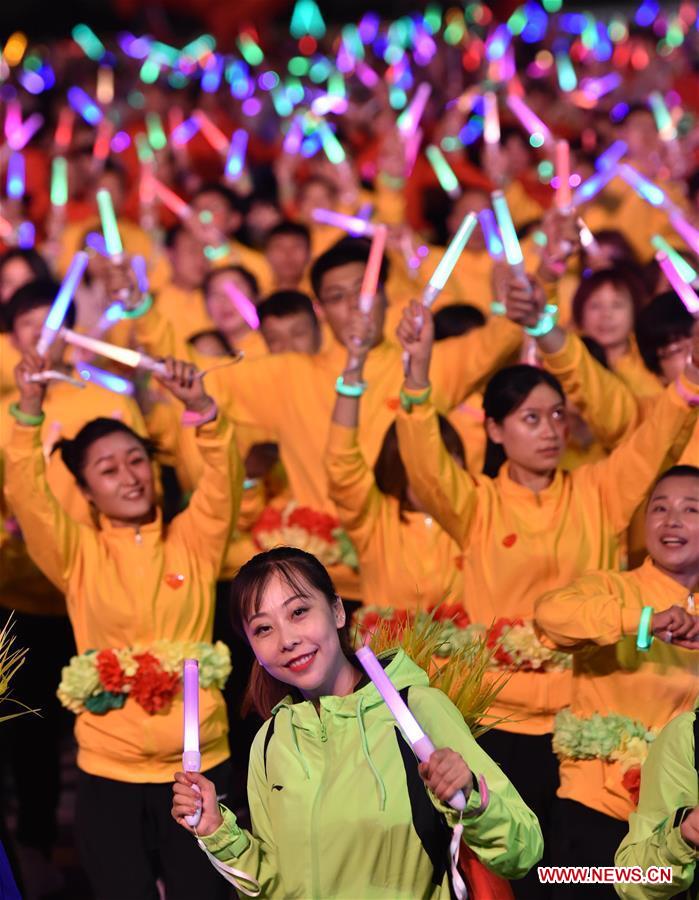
(547, 322)
(644, 638)
(241, 881)
(407, 401)
(143, 307)
(349, 390)
(26, 418)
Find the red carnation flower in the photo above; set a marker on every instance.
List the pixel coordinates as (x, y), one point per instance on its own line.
(632, 782)
(153, 688)
(495, 633)
(110, 672)
(270, 520)
(319, 524)
(453, 612)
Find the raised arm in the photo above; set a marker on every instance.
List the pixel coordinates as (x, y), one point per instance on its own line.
(505, 835)
(663, 830)
(53, 539)
(447, 492)
(351, 483)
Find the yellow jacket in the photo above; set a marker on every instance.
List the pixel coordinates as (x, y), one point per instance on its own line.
(9, 358)
(518, 544)
(403, 563)
(122, 589)
(597, 618)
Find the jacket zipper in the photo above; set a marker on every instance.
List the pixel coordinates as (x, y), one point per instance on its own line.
(315, 862)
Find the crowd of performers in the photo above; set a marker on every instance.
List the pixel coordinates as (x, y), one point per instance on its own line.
(383, 333)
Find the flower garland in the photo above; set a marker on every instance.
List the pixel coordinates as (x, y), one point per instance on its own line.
(613, 738)
(300, 526)
(100, 680)
(514, 642)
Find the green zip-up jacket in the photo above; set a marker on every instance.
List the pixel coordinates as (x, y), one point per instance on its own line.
(669, 787)
(335, 801)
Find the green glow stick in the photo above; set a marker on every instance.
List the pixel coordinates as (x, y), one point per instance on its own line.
(156, 135)
(144, 149)
(59, 181)
(88, 42)
(444, 172)
(332, 147)
(661, 114)
(510, 241)
(251, 51)
(684, 270)
(110, 230)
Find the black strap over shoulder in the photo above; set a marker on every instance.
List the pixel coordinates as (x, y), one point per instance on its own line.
(268, 738)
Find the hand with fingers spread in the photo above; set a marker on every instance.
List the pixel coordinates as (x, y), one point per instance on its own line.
(415, 333)
(184, 382)
(676, 626)
(186, 801)
(31, 393)
(445, 773)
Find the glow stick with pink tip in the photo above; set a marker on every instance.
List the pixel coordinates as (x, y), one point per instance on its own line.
(191, 757)
(563, 193)
(684, 291)
(408, 724)
(169, 198)
(132, 359)
(370, 281)
(529, 119)
(243, 304)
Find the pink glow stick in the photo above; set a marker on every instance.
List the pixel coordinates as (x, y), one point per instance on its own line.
(688, 233)
(13, 118)
(491, 127)
(191, 757)
(529, 119)
(243, 304)
(408, 724)
(64, 129)
(20, 137)
(684, 291)
(211, 132)
(564, 196)
(409, 121)
(373, 267)
(352, 224)
(169, 198)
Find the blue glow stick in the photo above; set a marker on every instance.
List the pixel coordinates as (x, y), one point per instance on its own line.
(59, 307)
(645, 188)
(491, 234)
(611, 156)
(236, 154)
(83, 104)
(15, 176)
(184, 132)
(445, 266)
(95, 241)
(593, 185)
(104, 379)
(26, 235)
(510, 241)
(138, 264)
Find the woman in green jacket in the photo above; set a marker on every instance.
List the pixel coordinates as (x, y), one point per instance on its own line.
(340, 807)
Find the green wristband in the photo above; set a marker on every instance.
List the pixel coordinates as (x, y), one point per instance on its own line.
(349, 390)
(140, 310)
(26, 418)
(547, 322)
(407, 401)
(644, 638)
(497, 308)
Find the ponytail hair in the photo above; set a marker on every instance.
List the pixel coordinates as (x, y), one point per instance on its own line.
(505, 393)
(74, 452)
(300, 571)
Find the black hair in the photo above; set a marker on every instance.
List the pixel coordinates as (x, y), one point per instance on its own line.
(74, 452)
(235, 203)
(680, 471)
(36, 264)
(456, 319)
(505, 393)
(286, 303)
(693, 184)
(664, 320)
(251, 281)
(299, 571)
(210, 333)
(619, 276)
(596, 350)
(34, 295)
(389, 470)
(287, 226)
(345, 251)
(172, 233)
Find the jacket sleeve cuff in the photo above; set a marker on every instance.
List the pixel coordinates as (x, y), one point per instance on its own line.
(470, 814)
(566, 358)
(679, 852)
(229, 840)
(342, 438)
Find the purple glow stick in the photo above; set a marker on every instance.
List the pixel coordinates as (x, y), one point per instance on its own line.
(20, 137)
(352, 224)
(684, 291)
(408, 724)
(243, 304)
(184, 132)
(529, 119)
(688, 233)
(593, 185)
(191, 757)
(410, 119)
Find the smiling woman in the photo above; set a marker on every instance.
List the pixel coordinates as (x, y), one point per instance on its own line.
(339, 806)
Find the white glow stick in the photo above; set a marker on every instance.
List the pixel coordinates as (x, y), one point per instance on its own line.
(408, 724)
(410, 119)
(491, 128)
(191, 757)
(446, 265)
(587, 238)
(684, 291)
(132, 359)
(59, 308)
(510, 241)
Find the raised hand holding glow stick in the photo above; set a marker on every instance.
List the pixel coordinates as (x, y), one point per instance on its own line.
(110, 229)
(408, 724)
(191, 757)
(132, 359)
(56, 315)
(684, 291)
